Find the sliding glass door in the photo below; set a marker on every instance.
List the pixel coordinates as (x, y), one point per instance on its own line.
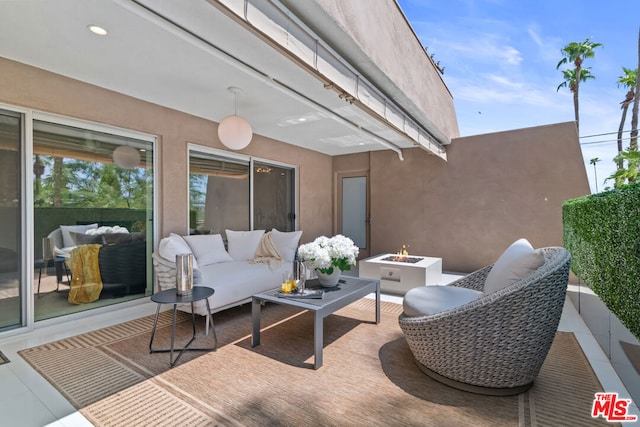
(76, 213)
(93, 212)
(229, 191)
(11, 293)
(273, 197)
(218, 193)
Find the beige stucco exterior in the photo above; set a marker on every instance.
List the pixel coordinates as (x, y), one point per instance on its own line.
(494, 189)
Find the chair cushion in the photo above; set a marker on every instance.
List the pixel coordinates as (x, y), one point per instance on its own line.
(208, 248)
(516, 262)
(243, 244)
(174, 245)
(427, 300)
(286, 242)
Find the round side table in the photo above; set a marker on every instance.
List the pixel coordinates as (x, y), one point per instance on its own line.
(170, 296)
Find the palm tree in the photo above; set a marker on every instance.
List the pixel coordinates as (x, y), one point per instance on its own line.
(570, 78)
(627, 80)
(576, 53)
(595, 172)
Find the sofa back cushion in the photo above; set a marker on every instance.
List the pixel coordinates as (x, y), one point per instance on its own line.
(174, 245)
(517, 261)
(85, 239)
(117, 238)
(286, 243)
(208, 248)
(67, 239)
(243, 244)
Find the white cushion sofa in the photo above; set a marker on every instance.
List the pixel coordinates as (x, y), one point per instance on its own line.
(235, 274)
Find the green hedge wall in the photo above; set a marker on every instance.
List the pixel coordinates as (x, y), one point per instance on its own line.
(602, 232)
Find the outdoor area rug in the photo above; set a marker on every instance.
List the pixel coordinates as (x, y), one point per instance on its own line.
(368, 376)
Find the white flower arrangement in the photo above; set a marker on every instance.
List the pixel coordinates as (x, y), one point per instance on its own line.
(326, 253)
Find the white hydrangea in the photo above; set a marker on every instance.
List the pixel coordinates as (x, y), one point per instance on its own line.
(325, 253)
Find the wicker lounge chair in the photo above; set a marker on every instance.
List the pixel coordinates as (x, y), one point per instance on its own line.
(496, 344)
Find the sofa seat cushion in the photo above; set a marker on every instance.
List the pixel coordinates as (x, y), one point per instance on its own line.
(237, 281)
(427, 300)
(517, 261)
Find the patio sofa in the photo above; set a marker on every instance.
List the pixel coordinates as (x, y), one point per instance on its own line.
(121, 256)
(249, 266)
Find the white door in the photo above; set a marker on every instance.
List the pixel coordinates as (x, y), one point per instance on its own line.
(354, 218)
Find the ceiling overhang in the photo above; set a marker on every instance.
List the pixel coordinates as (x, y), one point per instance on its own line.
(184, 55)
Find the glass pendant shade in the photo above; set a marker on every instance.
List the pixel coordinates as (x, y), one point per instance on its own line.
(126, 157)
(235, 132)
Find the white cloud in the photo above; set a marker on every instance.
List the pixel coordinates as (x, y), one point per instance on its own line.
(491, 89)
(505, 82)
(484, 48)
(548, 47)
(533, 33)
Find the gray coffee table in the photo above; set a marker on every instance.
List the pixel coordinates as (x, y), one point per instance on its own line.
(349, 289)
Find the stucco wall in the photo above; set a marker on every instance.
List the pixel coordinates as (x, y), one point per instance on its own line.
(494, 189)
(33, 88)
(381, 32)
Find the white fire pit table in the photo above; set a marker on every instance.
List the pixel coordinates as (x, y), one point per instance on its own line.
(399, 273)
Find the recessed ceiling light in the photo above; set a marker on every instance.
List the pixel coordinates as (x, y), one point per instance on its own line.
(97, 30)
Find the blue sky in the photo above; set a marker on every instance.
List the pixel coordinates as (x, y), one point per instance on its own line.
(500, 56)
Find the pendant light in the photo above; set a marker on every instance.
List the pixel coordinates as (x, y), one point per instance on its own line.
(234, 131)
(126, 157)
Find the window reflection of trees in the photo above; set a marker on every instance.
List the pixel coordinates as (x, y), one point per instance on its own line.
(74, 168)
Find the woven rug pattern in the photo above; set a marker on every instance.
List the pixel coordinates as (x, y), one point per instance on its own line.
(368, 376)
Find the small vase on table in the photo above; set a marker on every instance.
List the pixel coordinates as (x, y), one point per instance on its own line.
(328, 280)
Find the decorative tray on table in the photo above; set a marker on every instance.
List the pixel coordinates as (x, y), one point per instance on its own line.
(304, 293)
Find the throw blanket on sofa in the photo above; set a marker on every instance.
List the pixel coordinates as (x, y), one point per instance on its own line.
(268, 253)
(86, 283)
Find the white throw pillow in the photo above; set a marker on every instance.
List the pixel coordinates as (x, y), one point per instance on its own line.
(243, 244)
(516, 262)
(67, 239)
(427, 300)
(174, 245)
(286, 242)
(208, 248)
